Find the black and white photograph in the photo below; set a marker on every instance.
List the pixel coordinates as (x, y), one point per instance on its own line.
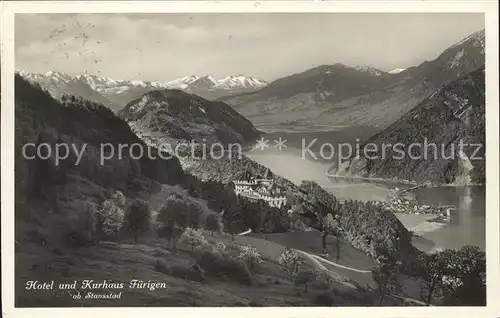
(249, 159)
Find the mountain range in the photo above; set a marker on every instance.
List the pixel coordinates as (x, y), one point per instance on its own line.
(115, 94)
(339, 95)
(327, 95)
(434, 130)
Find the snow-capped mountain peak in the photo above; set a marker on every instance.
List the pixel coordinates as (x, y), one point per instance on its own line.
(368, 69)
(183, 82)
(239, 81)
(396, 71)
(209, 82)
(205, 82)
(96, 81)
(50, 78)
(114, 93)
(210, 78)
(53, 76)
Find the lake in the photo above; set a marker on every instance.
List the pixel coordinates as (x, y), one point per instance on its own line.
(467, 225)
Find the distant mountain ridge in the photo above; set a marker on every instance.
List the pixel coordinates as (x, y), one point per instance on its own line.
(81, 122)
(208, 82)
(58, 84)
(339, 95)
(396, 70)
(453, 114)
(115, 94)
(174, 116)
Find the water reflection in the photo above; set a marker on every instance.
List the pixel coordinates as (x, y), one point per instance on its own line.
(467, 224)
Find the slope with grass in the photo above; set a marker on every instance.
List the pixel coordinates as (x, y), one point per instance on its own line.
(267, 284)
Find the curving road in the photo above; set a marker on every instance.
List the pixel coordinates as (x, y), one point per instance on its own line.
(341, 266)
(318, 261)
(246, 232)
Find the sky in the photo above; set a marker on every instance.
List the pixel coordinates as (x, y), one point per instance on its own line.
(163, 47)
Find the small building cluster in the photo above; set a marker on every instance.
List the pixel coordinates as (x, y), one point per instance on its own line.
(260, 188)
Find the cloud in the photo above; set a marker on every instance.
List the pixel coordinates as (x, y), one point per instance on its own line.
(271, 45)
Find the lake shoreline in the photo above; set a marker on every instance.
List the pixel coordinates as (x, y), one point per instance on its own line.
(430, 233)
(420, 224)
(404, 182)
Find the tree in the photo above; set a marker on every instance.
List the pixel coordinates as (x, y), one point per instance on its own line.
(305, 276)
(465, 277)
(249, 255)
(290, 260)
(234, 226)
(325, 224)
(82, 228)
(195, 215)
(386, 279)
(111, 214)
(337, 230)
(213, 223)
(331, 225)
(193, 238)
(64, 166)
(174, 212)
(431, 268)
(138, 218)
(42, 171)
(324, 277)
(172, 234)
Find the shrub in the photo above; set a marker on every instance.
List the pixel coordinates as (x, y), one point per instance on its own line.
(290, 260)
(194, 273)
(221, 247)
(324, 299)
(171, 233)
(249, 255)
(82, 227)
(138, 218)
(193, 238)
(162, 267)
(304, 276)
(219, 264)
(322, 281)
(324, 277)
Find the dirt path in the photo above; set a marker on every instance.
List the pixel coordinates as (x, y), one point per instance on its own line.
(246, 232)
(320, 267)
(320, 259)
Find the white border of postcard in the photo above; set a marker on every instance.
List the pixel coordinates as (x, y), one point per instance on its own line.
(490, 8)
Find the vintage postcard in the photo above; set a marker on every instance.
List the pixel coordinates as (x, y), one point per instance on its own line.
(289, 157)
